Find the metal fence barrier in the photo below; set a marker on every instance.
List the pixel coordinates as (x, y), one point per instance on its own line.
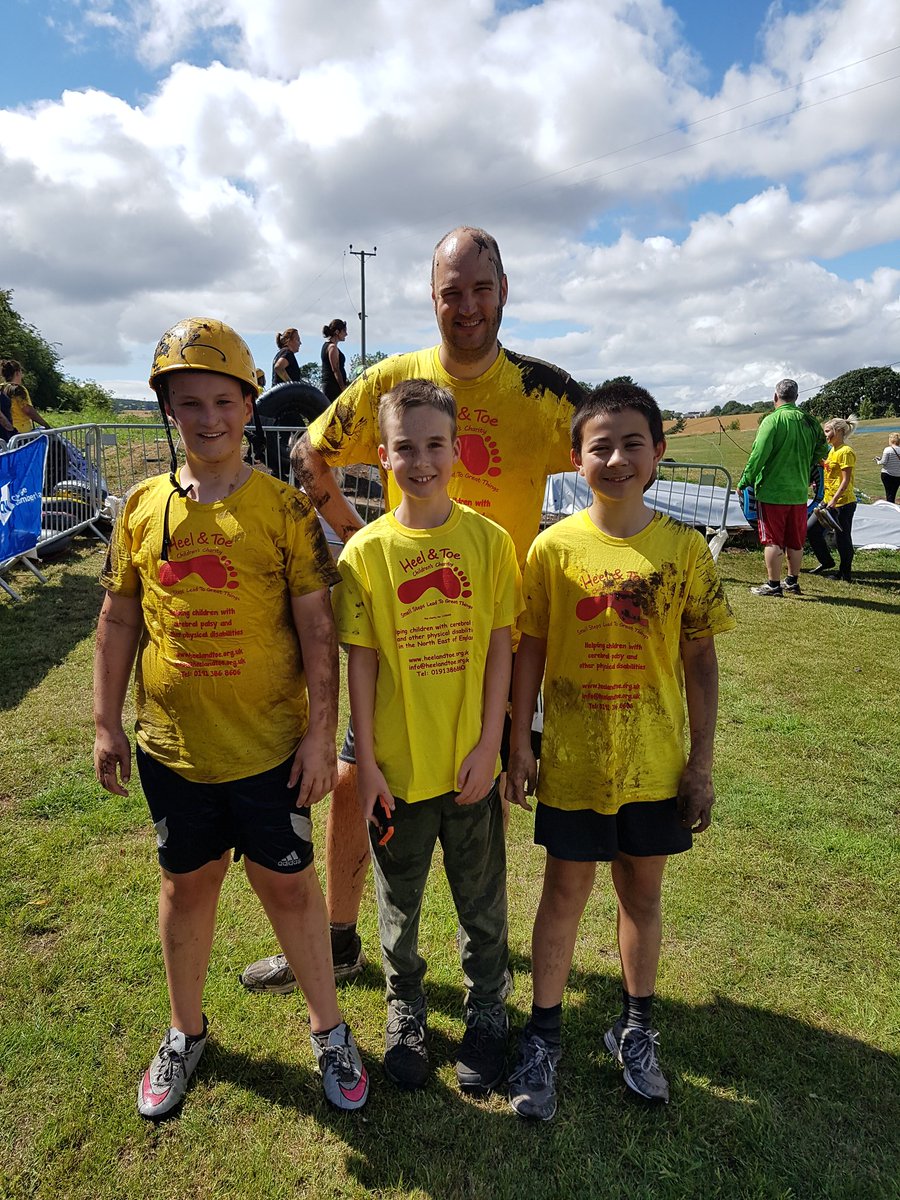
(74, 491)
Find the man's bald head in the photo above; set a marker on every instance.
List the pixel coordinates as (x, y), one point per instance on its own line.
(482, 239)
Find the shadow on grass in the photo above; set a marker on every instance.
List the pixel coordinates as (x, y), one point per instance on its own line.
(38, 634)
(762, 1105)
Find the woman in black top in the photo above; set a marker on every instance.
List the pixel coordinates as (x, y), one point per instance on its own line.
(285, 368)
(334, 373)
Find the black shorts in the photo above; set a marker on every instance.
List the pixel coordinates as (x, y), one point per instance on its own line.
(642, 829)
(348, 750)
(196, 823)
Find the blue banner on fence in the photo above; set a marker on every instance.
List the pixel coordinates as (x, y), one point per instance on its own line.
(21, 480)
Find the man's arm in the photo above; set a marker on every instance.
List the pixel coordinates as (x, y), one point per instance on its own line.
(315, 763)
(476, 772)
(320, 485)
(118, 634)
(701, 689)
(521, 774)
(362, 675)
(759, 456)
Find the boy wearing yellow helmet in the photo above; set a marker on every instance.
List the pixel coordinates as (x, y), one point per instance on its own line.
(217, 580)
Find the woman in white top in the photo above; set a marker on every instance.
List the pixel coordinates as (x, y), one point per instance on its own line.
(890, 467)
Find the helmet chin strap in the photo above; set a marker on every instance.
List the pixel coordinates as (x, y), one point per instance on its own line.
(177, 489)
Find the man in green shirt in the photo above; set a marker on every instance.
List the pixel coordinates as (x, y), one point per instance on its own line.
(788, 443)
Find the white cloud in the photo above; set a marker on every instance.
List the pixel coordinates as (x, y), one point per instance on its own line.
(235, 188)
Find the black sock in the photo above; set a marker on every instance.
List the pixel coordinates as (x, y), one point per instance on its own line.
(774, 583)
(790, 579)
(547, 1023)
(343, 938)
(636, 1010)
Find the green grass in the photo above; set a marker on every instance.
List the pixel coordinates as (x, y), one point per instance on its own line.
(777, 988)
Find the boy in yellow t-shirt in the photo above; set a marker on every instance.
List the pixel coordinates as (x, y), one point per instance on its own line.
(217, 580)
(621, 605)
(427, 598)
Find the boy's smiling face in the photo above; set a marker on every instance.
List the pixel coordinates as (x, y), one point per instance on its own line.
(618, 456)
(210, 411)
(420, 448)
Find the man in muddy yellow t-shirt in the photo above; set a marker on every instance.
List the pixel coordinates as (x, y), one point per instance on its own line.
(514, 416)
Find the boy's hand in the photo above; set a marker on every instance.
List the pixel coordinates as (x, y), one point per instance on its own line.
(370, 784)
(695, 799)
(521, 777)
(315, 769)
(476, 774)
(112, 760)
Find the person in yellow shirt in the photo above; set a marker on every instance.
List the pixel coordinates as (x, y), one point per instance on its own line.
(840, 500)
(621, 605)
(513, 416)
(23, 416)
(428, 596)
(217, 583)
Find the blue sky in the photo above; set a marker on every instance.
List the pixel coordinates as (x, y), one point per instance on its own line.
(254, 151)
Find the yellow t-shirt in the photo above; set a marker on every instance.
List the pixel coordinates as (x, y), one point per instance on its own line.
(20, 400)
(613, 612)
(835, 463)
(427, 600)
(514, 428)
(219, 685)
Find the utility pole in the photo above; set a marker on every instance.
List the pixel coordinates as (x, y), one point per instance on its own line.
(362, 255)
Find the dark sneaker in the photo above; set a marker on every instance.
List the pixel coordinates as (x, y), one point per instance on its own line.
(791, 587)
(351, 963)
(269, 975)
(405, 1048)
(822, 569)
(165, 1080)
(532, 1085)
(481, 1062)
(345, 1080)
(635, 1050)
(766, 589)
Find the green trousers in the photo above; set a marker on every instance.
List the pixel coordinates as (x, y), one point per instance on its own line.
(474, 847)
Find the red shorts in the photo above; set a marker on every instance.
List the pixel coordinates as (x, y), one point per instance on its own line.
(782, 525)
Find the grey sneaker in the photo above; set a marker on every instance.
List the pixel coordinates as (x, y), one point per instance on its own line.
(271, 974)
(274, 975)
(351, 963)
(532, 1085)
(791, 587)
(345, 1080)
(405, 1046)
(766, 589)
(635, 1050)
(165, 1080)
(481, 1062)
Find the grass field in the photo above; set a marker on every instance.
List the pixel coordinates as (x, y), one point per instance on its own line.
(777, 990)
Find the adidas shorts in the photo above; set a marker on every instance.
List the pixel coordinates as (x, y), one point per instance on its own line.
(197, 823)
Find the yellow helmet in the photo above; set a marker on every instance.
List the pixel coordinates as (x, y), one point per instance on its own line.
(204, 344)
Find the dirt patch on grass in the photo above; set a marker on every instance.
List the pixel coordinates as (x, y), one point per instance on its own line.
(697, 425)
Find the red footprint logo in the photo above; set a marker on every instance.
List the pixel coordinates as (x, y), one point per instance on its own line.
(449, 581)
(479, 454)
(215, 570)
(624, 604)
